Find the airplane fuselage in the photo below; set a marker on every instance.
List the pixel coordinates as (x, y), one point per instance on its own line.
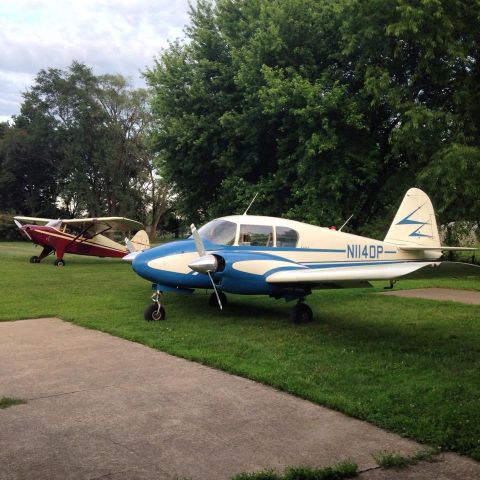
(62, 242)
(254, 248)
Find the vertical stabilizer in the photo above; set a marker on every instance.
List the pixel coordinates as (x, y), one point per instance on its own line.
(414, 224)
(139, 242)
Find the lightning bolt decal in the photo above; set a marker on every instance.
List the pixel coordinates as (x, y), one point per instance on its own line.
(408, 221)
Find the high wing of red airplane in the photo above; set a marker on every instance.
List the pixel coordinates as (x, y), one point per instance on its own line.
(82, 236)
(248, 254)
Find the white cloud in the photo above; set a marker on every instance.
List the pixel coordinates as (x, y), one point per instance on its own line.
(111, 36)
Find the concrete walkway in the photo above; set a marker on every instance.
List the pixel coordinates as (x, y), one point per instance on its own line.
(102, 407)
(462, 296)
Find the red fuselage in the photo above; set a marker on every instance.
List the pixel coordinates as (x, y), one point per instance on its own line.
(62, 242)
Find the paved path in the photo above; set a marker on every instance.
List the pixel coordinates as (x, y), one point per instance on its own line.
(462, 296)
(102, 407)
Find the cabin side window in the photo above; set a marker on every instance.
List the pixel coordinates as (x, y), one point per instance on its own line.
(286, 237)
(256, 235)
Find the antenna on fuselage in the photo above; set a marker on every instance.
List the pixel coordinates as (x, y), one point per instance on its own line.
(348, 219)
(251, 203)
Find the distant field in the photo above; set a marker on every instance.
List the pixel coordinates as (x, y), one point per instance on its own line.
(408, 365)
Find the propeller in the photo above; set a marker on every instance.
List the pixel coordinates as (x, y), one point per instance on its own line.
(205, 263)
(20, 226)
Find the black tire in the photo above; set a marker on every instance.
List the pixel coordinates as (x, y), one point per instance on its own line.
(213, 302)
(153, 313)
(34, 259)
(60, 263)
(301, 313)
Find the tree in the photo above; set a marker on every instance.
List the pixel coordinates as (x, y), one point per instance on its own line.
(87, 133)
(27, 174)
(327, 108)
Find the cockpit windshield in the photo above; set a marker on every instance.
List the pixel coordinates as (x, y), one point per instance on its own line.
(54, 223)
(221, 232)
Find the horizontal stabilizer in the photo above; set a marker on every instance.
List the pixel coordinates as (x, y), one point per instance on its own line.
(438, 249)
(390, 271)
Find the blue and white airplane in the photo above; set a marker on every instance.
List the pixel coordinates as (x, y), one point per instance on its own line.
(252, 255)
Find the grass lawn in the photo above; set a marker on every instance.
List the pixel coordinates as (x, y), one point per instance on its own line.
(408, 365)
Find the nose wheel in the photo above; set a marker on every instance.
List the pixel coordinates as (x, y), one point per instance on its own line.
(155, 312)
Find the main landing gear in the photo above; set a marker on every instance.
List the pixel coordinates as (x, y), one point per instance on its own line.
(390, 287)
(155, 311)
(301, 313)
(45, 252)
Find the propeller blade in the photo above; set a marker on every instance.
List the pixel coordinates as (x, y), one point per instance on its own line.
(20, 226)
(129, 245)
(206, 263)
(215, 290)
(198, 241)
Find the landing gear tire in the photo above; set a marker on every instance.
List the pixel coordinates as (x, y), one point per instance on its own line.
(34, 259)
(213, 302)
(301, 313)
(59, 263)
(152, 312)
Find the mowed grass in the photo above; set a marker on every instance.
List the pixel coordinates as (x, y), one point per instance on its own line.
(410, 366)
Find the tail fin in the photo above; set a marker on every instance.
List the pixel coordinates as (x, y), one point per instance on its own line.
(138, 242)
(414, 224)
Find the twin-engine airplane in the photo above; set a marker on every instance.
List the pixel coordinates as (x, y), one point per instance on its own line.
(83, 236)
(247, 254)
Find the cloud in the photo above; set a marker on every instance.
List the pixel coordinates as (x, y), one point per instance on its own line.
(111, 36)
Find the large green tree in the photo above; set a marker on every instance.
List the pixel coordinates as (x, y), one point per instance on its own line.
(27, 168)
(327, 108)
(80, 144)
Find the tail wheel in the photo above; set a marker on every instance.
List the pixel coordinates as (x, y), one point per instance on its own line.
(60, 263)
(34, 259)
(301, 313)
(152, 312)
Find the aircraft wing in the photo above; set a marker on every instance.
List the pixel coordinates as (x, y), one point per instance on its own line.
(101, 223)
(390, 271)
(36, 220)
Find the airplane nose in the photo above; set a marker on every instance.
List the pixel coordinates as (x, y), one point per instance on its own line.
(137, 261)
(140, 265)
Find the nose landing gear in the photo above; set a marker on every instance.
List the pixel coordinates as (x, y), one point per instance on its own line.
(155, 311)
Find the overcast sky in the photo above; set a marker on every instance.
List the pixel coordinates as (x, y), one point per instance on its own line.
(110, 36)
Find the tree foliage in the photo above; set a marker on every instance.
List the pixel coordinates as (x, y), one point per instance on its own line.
(79, 146)
(326, 108)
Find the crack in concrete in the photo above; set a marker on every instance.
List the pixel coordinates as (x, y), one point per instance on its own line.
(130, 450)
(70, 393)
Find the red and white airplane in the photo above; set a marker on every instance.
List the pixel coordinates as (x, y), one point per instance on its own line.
(82, 236)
